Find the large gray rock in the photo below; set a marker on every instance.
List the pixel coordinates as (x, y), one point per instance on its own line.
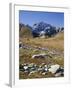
(59, 72)
(54, 68)
(39, 56)
(25, 67)
(46, 68)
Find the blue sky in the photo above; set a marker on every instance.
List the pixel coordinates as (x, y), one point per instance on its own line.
(32, 17)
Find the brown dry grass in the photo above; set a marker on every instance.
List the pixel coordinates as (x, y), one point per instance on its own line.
(56, 42)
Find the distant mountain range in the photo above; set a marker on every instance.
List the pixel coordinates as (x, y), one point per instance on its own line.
(39, 29)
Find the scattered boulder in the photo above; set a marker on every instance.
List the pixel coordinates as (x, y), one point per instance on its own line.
(43, 69)
(42, 56)
(59, 72)
(46, 49)
(46, 68)
(25, 68)
(31, 65)
(40, 69)
(38, 56)
(20, 45)
(21, 67)
(54, 68)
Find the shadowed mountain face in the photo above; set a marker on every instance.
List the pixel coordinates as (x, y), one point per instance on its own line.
(39, 29)
(25, 31)
(41, 26)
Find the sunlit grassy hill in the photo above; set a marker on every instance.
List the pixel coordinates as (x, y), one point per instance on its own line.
(56, 42)
(25, 32)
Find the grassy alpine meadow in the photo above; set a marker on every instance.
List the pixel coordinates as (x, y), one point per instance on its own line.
(41, 44)
(53, 45)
